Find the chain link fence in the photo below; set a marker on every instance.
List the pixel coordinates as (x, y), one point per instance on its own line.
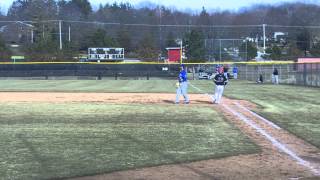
(296, 74)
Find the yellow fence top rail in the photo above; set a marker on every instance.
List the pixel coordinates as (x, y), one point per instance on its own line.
(207, 63)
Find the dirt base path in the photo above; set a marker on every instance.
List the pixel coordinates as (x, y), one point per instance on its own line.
(271, 163)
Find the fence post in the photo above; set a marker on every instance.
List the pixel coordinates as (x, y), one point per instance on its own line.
(288, 76)
(116, 75)
(246, 72)
(193, 72)
(305, 74)
(318, 74)
(99, 76)
(280, 74)
(311, 74)
(148, 75)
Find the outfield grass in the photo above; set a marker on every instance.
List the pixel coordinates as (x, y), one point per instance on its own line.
(55, 140)
(118, 86)
(143, 86)
(295, 108)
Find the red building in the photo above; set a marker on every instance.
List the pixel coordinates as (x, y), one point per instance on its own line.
(174, 54)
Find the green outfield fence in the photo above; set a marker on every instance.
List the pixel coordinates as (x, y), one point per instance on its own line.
(306, 74)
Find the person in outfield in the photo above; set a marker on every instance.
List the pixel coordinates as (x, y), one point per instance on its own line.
(221, 81)
(235, 72)
(182, 86)
(275, 76)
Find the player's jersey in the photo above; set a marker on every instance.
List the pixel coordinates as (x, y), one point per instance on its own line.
(220, 80)
(275, 72)
(235, 70)
(182, 76)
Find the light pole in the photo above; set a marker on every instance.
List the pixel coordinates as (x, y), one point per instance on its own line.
(60, 35)
(69, 39)
(180, 41)
(264, 38)
(246, 50)
(181, 51)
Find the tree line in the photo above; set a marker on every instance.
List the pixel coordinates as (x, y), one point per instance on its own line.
(146, 31)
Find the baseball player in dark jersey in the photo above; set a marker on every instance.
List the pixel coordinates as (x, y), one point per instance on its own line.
(220, 80)
(275, 76)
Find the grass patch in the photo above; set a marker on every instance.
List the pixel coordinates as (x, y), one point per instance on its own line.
(58, 140)
(108, 86)
(125, 86)
(295, 108)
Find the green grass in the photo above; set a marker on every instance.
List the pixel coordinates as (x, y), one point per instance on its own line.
(89, 85)
(294, 108)
(99, 139)
(118, 86)
(56, 140)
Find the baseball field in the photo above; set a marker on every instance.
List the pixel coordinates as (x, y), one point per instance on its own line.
(131, 129)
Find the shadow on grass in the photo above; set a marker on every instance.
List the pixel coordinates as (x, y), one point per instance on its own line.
(44, 166)
(168, 101)
(191, 102)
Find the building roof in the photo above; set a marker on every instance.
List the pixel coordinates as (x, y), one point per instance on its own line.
(308, 60)
(173, 48)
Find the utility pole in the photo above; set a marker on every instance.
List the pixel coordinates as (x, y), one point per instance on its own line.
(181, 51)
(160, 30)
(69, 34)
(43, 31)
(60, 35)
(264, 38)
(220, 49)
(246, 50)
(32, 35)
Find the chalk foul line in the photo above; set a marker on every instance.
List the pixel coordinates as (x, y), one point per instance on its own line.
(258, 116)
(274, 141)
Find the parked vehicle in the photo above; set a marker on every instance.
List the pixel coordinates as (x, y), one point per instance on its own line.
(205, 75)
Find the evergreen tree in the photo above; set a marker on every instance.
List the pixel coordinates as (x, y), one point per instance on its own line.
(4, 51)
(274, 52)
(84, 6)
(147, 49)
(204, 17)
(315, 50)
(124, 40)
(303, 40)
(293, 51)
(194, 46)
(248, 50)
(101, 39)
(170, 41)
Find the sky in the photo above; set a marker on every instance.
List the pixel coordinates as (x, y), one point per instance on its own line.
(186, 4)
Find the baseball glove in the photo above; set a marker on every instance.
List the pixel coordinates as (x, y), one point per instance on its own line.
(177, 85)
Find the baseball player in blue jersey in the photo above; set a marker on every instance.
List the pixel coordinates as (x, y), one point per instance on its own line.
(182, 86)
(220, 80)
